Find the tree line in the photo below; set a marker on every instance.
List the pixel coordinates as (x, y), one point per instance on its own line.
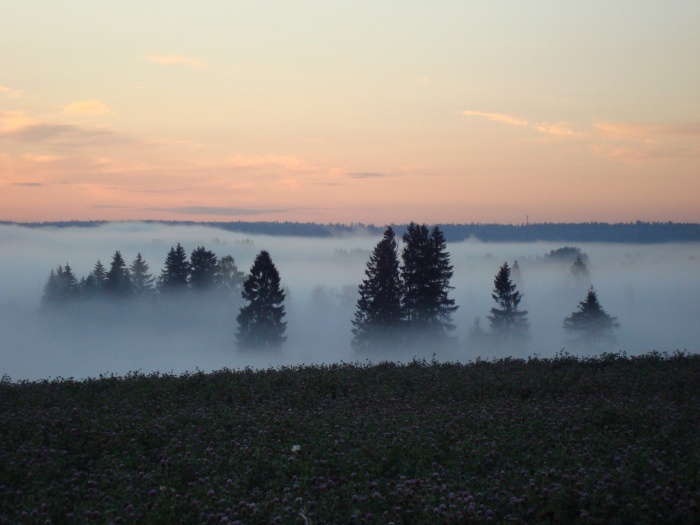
(402, 301)
(626, 233)
(202, 272)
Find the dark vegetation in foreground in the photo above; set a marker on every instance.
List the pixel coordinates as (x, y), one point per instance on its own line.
(611, 439)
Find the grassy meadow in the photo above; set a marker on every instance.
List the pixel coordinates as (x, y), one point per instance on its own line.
(610, 439)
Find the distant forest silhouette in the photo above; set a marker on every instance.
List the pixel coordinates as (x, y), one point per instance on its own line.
(634, 232)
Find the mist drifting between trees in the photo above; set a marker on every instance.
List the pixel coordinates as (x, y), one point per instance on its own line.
(649, 289)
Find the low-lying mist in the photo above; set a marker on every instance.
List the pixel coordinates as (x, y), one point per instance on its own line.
(652, 289)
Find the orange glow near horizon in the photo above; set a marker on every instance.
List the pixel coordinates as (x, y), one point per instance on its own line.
(350, 113)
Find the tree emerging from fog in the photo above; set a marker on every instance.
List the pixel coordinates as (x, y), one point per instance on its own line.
(407, 303)
(426, 274)
(118, 282)
(591, 324)
(203, 266)
(229, 278)
(62, 285)
(379, 316)
(508, 322)
(176, 272)
(142, 282)
(260, 322)
(94, 284)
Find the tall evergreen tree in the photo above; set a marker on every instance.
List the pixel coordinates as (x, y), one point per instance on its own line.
(415, 275)
(508, 322)
(426, 274)
(142, 282)
(176, 272)
(378, 318)
(260, 322)
(203, 268)
(443, 272)
(118, 282)
(591, 323)
(94, 283)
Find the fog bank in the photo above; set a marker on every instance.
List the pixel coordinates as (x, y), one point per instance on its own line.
(652, 289)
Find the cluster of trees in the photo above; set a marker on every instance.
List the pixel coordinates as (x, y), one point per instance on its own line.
(401, 301)
(203, 272)
(405, 302)
(260, 321)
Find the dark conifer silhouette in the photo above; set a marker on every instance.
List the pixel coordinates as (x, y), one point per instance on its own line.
(203, 268)
(442, 274)
(260, 322)
(378, 317)
(508, 322)
(426, 272)
(591, 323)
(175, 275)
(94, 284)
(142, 282)
(118, 283)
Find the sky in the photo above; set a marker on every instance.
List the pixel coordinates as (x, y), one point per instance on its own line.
(364, 111)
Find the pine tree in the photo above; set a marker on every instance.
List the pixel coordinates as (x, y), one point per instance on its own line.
(507, 321)
(591, 323)
(142, 282)
(426, 274)
(94, 283)
(203, 269)
(175, 274)
(378, 318)
(118, 283)
(260, 323)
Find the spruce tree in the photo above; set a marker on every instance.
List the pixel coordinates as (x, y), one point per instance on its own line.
(118, 282)
(176, 271)
(507, 321)
(591, 323)
(378, 318)
(142, 282)
(443, 272)
(416, 276)
(94, 284)
(426, 272)
(260, 322)
(203, 268)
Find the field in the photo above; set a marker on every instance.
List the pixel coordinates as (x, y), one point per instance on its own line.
(611, 439)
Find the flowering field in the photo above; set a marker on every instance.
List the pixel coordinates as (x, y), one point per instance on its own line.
(612, 439)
